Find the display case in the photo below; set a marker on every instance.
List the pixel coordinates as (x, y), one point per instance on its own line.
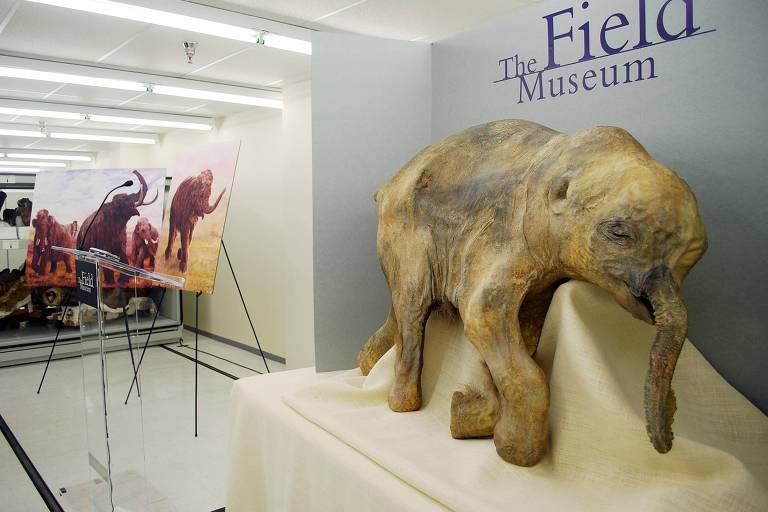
(31, 341)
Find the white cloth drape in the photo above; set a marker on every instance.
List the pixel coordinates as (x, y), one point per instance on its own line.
(356, 454)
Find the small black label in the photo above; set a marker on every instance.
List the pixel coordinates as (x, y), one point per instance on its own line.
(86, 283)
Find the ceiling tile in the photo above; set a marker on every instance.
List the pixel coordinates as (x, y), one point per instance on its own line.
(64, 33)
(91, 95)
(160, 50)
(428, 20)
(300, 9)
(259, 65)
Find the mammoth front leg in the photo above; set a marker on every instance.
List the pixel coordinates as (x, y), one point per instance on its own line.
(521, 433)
(186, 239)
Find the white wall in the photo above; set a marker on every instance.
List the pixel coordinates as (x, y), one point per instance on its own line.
(298, 315)
(371, 113)
(259, 228)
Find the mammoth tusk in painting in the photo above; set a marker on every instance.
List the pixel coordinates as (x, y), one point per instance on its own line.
(491, 221)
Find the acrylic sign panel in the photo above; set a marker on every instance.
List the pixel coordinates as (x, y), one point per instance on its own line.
(64, 206)
(197, 210)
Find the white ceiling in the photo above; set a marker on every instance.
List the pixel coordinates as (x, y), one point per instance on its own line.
(421, 20)
(55, 33)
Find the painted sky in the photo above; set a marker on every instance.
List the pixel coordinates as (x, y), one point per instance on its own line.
(74, 194)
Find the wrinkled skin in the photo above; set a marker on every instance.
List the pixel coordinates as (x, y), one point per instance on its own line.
(490, 221)
(145, 242)
(49, 233)
(189, 204)
(106, 231)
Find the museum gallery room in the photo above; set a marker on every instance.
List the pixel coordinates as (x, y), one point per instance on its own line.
(383, 255)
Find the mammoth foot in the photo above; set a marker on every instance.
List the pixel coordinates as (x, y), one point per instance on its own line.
(473, 413)
(405, 398)
(521, 438)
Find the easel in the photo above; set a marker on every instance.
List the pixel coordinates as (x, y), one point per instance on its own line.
(197, 330)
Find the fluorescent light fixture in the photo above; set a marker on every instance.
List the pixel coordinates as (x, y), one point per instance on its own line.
(104, 115)
(40, 156)
(32, 69)
(22, 133)
(40, 113)
(133, 12)
(102, 137)
(216, 96)
(149, 122)
(25, 170)
(67, 78)
(31, 164)
(288, 43)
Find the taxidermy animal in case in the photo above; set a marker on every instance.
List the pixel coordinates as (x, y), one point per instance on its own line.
(490, 221)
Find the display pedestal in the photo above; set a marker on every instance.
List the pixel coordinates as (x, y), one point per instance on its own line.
(306, 441)
(115, 434)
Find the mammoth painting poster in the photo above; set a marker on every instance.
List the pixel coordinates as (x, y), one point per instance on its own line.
(190, 239)
(64, 214)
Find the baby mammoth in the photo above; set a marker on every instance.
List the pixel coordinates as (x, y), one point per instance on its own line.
(145, 242)
(491, 221)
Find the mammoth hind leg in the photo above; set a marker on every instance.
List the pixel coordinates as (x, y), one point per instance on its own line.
(378, 344)
(475, 410)
(411, 308)
(172, 232)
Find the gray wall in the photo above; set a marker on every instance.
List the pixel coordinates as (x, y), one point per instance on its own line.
(371, 103)
(706, 116)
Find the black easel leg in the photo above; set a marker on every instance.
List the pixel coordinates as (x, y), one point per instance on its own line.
(144, 348)
(55, 340)
(197, 329)
(244, 306)
(130, 346)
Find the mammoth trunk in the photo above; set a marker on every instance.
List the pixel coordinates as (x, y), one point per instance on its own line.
(212, 207)
(671, 319)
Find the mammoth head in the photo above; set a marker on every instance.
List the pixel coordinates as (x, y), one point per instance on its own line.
(145, 231)
(122, 206)
(630, 225)
(206, 177)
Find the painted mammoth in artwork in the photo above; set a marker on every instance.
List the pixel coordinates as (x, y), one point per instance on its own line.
(107, 229)
(190, 203)
(24, 211)
(144, 244)
(49, 233)
(490, 221)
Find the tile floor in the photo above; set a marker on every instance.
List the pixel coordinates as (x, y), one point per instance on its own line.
(188, 472)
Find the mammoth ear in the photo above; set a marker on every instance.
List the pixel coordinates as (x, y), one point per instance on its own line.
(558, 193)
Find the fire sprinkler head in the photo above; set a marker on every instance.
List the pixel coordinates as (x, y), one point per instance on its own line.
(189, 50)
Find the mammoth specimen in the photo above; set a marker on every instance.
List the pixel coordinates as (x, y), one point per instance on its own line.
(490, 221)
(49, 233)
(106, 230)
(189, 204)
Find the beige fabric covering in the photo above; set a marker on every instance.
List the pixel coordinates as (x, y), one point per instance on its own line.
(595, 355)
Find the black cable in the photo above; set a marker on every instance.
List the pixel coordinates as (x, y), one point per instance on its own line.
(128, 183)
(34, 475)
(144, 349)
(181, 344)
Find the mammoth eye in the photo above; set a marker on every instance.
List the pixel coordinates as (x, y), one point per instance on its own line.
(616, 231)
